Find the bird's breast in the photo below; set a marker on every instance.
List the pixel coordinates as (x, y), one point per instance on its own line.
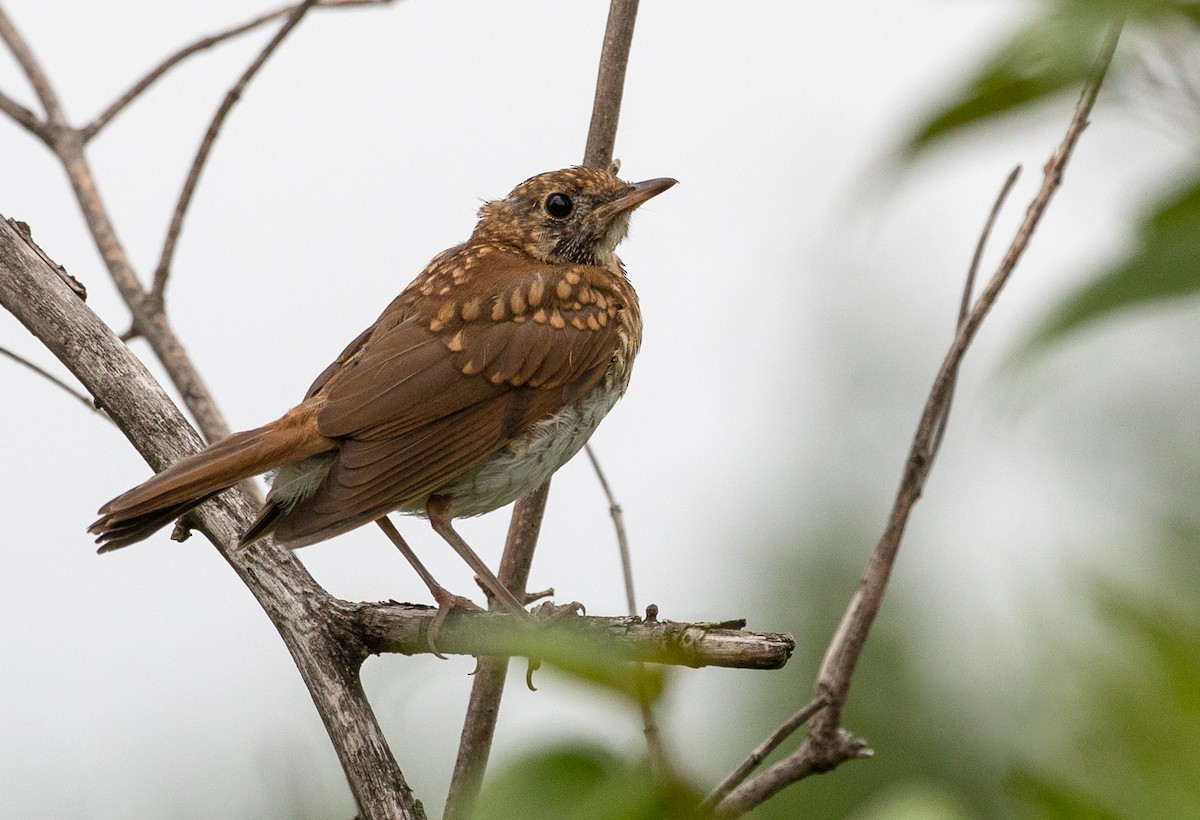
(528, 460)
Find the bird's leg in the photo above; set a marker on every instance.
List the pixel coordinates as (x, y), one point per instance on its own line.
(446, 600)
(438, 510)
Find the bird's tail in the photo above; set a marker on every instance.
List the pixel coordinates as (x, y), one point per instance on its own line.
(191, 481)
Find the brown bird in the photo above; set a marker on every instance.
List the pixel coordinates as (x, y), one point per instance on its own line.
(484, 376)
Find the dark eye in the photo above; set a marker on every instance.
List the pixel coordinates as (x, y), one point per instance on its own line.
(559, 205)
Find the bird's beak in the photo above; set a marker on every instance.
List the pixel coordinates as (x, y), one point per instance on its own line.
(638, 193)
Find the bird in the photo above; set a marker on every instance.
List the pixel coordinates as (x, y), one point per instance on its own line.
(487, 373)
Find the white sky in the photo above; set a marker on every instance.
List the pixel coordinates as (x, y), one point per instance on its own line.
(795, 314)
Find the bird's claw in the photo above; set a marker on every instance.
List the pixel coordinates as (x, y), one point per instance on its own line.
(447, 603)
(551, 611)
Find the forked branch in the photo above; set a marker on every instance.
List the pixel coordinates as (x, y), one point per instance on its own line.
(827, 743)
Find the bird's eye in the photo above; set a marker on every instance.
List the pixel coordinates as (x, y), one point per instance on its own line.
(559, 206)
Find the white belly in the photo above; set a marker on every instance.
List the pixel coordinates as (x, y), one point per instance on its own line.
(529, 460)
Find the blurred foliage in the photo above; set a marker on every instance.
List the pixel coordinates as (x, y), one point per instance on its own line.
(599, 664)
(583, 782)
(1056, 53)
(1116, 729)
(1132, 748)
(1166, 264)
(925, 766)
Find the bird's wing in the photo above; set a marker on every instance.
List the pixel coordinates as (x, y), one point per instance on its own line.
(442, 383)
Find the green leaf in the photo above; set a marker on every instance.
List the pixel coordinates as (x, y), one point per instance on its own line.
(583, 783)
(1165, 266)
(1052, 54)
(1048, 799)
(597, 663)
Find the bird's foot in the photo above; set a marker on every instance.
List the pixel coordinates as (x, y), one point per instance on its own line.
(447, 602)
(550, 611)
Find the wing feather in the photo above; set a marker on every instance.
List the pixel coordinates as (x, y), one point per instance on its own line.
(436, 387)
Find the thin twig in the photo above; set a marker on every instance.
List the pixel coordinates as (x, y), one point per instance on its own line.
(964, 305)
(756, 757)
(33, 72)
(206, 144)
(67, 145)
(483, 709)
(318, 630)
(602, 138)
(82, 398)
(24, 117)
(618, 518)
(155, 74)
(659, 760)
(475, 745)
(827, 744)
(610, 83)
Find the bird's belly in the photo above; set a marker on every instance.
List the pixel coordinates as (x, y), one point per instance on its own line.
(527, 461)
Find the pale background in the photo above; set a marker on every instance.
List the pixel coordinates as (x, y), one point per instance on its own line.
(798, 295)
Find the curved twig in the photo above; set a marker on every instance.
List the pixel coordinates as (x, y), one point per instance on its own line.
(25, 118)
(316, 628)
(50, 377)
(618, 518)
(210, 136)
(487, 690)
(827, 743)
(159, 71)
(33, 72)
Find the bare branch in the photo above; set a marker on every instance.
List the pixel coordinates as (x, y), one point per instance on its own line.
(610, 83)
(658, 751)
(618, 517)
(159, 71)
(316, 628)
(149, 322)
(964, 305)
(475, 745)
(33, 72)
(841, 659)
(24, 117)
(827, 744)
(67, 145)
(483, 709)
(813, 757)
(50, 377)
(400, 628)
(206, 144)
(756, 757)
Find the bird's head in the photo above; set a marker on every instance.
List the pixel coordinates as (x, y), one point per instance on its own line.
(576, 215)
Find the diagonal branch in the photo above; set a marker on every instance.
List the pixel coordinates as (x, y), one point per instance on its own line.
(159, 71)
(805, 713)
(618, 518)
(33, 72)
(827, 744)
(206, 144)
(488, 689)
(610, 83)
(483, 708)
(964, 305)
(24, 117)
(67, 146)
(50, 377)
(317, 629)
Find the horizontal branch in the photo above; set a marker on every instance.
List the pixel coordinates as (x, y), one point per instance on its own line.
(401, 628)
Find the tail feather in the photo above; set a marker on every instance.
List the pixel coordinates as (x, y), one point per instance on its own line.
(131, 530)
(146, 508)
